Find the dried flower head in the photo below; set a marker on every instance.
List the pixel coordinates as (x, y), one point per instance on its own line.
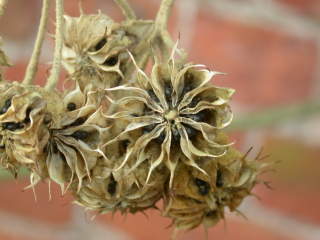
(24, 131)
(75, 138)
(196, 198)
(95, 47)
(175, 115)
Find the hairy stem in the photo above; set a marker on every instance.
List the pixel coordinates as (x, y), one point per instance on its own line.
(163, 15)
(34, 60)
(3, 4)
(57, 57)
(126, 9)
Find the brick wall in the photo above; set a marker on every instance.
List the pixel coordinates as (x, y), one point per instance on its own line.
(270, 50)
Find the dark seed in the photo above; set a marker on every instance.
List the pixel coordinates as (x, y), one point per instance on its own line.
(111, 61)
(148, 128)
(100, 44)
(175, 135)
(112, 186)
(168, 91)
(125, 143)
(161, 138)
(211, 213)
(80, 135)
(78, 122)
(219, 179)
(6, 106)
(194, 102)
(71, 106)
(27, 119)
(153, 96)
(203, 186)
(190, 131)
(187, 88)
(12, 126)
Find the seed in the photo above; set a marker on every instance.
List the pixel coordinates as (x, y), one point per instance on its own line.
(78, 122)
(153, 96)
(6, 106)
(191, 132)
(203, 187)
(80, 135)
(219, 179)
(100, 44)
(161, 138)
(27, 119)
(71, 106)
(12, 126)
(111, 61)
(168, 91)
(148, 128)
(194, 102)
(198, 117)
(175, 135)
(112, 186)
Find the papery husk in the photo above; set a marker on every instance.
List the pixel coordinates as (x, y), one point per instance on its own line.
(230, 179)
(30, 111)
(125, 189)
(74, 145)
(95, 49)
(151, 113)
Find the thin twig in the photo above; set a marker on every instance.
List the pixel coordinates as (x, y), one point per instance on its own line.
(3, 4)
(34, 60)
(163, 14)
(126, 9)
(56, 65)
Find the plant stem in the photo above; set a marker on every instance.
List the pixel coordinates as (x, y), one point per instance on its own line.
(276, 116)
(3, 4)
(126, 9)
(57, 57)
(34, 60)
(163, 14)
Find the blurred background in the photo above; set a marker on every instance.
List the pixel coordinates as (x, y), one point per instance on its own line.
(271, 52)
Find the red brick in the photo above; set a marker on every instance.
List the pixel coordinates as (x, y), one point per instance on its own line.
(20, 19)
(15, 200)
(155, 227)
(296, 182)
(264, 66)
(310, 8)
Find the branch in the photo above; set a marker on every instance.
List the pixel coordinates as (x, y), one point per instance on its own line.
(34, 60)
(56, 65)
(126, 9)
(163, 14)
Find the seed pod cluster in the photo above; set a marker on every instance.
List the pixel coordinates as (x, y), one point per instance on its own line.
(122, 139)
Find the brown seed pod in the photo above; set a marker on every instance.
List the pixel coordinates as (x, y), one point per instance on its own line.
(174, 112)
(24, 127)
(94, 51)
(74, 144)
(196, 198)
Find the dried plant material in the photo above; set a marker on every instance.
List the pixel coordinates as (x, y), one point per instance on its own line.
(197, 198)
(75, 139)
(176, 114)
(95, 47)
(24, 126)
(4, 61)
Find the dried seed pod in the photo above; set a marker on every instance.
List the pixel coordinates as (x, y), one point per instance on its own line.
(95, 47)
(23, 127)
(196, 198)
(175, 112)
(121, 190)
(74, 144)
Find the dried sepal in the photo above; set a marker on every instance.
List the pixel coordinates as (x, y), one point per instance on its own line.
(95, 47)
(196, 198)
(175, 108)
(75, 139)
